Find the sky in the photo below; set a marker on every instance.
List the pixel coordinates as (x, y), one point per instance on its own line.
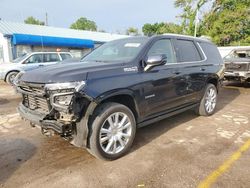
(109, 15)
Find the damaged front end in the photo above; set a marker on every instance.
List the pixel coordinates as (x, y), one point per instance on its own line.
(56, 107)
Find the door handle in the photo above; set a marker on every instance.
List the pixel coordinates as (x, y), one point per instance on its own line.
(176, 72)
(203, 69)
(40, 65)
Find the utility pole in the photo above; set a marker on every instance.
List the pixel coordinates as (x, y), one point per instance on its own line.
(46, 19)
(196, 23)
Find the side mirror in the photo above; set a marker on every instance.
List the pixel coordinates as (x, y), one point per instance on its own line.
(155, 60)
(27, 61)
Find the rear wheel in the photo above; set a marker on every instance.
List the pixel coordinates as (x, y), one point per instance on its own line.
(10, 77)
(208, 102)
(113, 131)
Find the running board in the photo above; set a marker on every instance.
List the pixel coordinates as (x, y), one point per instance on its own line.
(161, 117)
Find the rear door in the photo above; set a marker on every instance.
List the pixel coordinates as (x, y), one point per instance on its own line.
(50, 58)
(165, 85)
(192, 66)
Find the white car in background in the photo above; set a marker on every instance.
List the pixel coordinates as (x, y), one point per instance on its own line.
(8, 71)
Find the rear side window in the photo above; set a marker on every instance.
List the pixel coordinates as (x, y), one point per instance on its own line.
(51, 57)
(186, 51)
(211, 51)
(65, 56)
(161, 47)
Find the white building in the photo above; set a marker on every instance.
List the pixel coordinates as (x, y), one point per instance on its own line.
(17, 39)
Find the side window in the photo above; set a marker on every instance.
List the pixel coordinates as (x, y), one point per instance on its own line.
(53, 57)
(65, 56)
(163, 46)
(187, 51)
(36, 58)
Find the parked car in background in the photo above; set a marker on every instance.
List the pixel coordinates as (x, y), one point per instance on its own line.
(8, 71)
(237, 65)
(124, 84)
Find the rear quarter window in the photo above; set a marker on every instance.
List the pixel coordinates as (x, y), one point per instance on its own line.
(211, 52)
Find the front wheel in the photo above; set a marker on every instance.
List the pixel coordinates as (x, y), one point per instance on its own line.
(208, 102)
(112, 131)
(11, 77)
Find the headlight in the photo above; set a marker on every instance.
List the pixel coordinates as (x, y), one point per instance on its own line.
(67, 85)
(63, 100)
(61, 93)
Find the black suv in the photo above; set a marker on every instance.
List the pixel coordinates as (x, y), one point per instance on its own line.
(99, 102)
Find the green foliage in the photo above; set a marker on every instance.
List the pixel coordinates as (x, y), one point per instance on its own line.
(132, 31)
(84, 24)
(161, 28)
(228, 23)
(189, 12)
(32, 20)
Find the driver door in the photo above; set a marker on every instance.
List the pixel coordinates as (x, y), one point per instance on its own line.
(165, 85)
(33, 62)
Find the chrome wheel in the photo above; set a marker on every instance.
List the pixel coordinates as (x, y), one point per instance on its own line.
(11, 77)
(210, 100)
(115, 133)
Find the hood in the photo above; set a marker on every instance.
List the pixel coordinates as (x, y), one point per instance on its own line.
(8, 65)
(65, 72)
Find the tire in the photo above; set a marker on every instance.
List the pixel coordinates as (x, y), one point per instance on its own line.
(10, 77)
(116, 139)
(208, 102)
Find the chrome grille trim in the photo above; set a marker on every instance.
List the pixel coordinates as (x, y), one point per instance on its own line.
(237, 66)
(34, 97)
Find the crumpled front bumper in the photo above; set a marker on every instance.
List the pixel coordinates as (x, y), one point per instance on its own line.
(38, 119)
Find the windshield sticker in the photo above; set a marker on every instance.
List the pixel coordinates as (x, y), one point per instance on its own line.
(133, 45)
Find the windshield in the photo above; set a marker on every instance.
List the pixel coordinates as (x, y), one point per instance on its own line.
(123, 50)
(17, 60)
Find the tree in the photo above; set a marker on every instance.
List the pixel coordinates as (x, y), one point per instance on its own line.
(190, 9)
(84, 24)
(228, 22)
(132, 31)
(32, 20)
(161, 28)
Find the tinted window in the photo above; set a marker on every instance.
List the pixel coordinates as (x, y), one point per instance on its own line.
(187, 52)
(161, 47)
(211, 51)
(36, 58)
(51, 57)
(65, 56)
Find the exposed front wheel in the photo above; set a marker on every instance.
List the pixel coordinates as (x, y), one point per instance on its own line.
(11, 77)
(113, 131)
(208, 102)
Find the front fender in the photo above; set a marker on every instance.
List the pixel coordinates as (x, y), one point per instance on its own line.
(7, 72)
(114, 93)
